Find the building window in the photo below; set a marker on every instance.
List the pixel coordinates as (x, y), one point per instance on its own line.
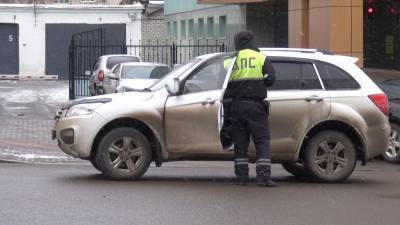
(87, 1)
(175, 29)
(191, 28)
(210, 27)
(200, 27)
(222, 27)
(62, 1)
(183, 29)
(169, 32)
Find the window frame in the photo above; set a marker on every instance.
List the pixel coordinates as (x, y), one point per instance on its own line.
(200, 33)
(298, 61)
(220, 36)
(210, 27)
(318, 65)
(190, 31)
(200, 67)
(182, 28)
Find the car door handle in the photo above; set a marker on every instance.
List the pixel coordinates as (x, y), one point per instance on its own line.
(208, 101)
(314, 98)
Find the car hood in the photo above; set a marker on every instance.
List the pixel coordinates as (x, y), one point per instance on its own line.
(136, 83)
(117, 97)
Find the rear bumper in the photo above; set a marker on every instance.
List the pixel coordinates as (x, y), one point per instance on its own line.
(377, 140)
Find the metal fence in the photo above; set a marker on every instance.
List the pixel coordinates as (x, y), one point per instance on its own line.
(87, 47)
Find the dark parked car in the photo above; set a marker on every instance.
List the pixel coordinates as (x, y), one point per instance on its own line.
(392, 89)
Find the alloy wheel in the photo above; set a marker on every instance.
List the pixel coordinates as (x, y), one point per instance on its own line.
(331, 157)
(125, 154)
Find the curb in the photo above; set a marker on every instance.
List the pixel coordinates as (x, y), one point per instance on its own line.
(28, 77)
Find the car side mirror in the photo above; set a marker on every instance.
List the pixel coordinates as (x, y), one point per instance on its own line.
(88, 73)
(113, 76)
(173, 86)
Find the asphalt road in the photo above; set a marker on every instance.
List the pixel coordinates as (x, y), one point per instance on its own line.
(194, 193)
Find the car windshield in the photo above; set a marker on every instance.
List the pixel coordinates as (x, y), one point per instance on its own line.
(174, 73)
(391, 88)
(144, 72)
(114, 60)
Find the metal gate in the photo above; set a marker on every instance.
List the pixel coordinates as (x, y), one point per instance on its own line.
(87, 47)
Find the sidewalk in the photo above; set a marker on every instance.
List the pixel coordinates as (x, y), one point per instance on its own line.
(27, 109)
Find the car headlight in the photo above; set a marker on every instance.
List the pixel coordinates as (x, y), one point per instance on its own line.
(82, 109)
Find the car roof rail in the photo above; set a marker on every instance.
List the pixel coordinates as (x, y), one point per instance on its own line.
(301, 50)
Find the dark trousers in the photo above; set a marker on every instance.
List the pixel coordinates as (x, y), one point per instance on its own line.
(250, 118)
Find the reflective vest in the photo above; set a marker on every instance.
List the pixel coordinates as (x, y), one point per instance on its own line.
(248, 66)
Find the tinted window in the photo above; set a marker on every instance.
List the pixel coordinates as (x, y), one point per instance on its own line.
(96, 65)
(335, 78)
(116, 68)
(144, 72)
(295, 76)
(208, 77)
(114, 60)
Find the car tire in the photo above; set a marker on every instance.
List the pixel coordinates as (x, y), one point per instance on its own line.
(393, 153)
(296, 169)
(330, 156)
(123, 154)
(94, 164)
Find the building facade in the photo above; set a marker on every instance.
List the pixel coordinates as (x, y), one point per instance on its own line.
(35, 39)
(190, 22)
(367, 29)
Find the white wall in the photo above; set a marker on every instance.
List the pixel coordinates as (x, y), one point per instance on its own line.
(32, 39)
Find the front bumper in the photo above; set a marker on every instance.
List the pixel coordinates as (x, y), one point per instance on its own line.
(75, 135)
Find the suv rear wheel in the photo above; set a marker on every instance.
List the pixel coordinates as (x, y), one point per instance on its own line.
(123, 153)
(330, 156)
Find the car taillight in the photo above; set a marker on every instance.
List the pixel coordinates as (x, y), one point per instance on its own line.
(100, 75)
(381, 101)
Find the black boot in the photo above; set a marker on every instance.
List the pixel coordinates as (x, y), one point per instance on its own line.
(266, 183)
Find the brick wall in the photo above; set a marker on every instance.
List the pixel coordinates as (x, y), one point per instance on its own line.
(153, 26)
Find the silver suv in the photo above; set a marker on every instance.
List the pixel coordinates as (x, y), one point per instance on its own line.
(99, 81)
(325, 115)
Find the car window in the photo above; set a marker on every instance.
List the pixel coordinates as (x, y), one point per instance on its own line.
(96, 65)
(295, 76)
(209, 77)
(116, 68)
(114, 60)
(335, 78)
(174, 73)
(143, 72)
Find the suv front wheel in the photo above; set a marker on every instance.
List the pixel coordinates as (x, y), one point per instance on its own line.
(123, 153)
(330, 156)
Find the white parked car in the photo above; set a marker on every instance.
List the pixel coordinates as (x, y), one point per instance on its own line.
(99, 82)
(137, 75)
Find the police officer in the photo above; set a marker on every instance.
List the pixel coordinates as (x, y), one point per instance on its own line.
(251, 74)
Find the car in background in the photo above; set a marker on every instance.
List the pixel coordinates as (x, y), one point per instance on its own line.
(325, 115)
(392, 88)
(137, 75)
(99, 82)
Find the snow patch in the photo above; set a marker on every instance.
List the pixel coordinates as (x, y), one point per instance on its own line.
(51, 95)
